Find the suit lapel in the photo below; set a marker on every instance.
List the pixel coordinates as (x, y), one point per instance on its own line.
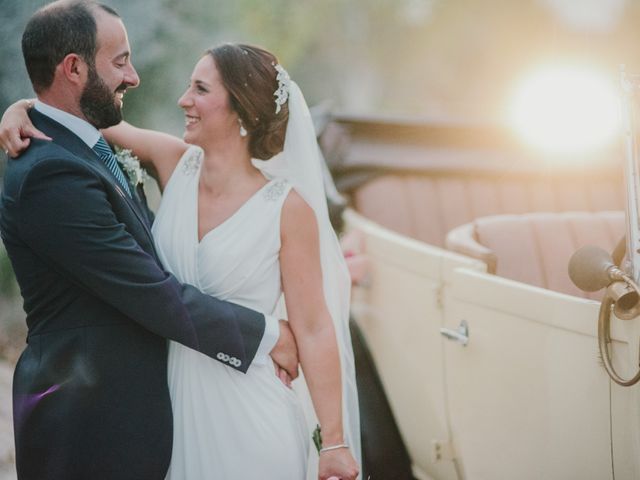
(68, 140)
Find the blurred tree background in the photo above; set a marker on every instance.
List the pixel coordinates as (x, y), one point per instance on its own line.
(442, 60)
(436, 59)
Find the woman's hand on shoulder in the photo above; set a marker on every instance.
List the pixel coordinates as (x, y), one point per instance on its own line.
(16, 129)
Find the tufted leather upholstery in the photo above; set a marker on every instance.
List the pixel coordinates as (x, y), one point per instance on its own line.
(535, 248)
(426, 207)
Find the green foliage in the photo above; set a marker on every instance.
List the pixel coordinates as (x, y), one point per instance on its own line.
(431, 58)
(12, 321)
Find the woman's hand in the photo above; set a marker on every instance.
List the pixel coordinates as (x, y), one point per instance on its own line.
(337, 464)
(16, 129)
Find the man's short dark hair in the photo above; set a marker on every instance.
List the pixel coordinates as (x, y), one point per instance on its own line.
(55, 31)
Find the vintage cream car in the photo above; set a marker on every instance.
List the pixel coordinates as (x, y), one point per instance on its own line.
(486, 350)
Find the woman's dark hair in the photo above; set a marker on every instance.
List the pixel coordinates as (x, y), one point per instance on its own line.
(248, 73)
(55, 31)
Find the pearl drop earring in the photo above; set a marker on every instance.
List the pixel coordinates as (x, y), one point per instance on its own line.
(243, 131)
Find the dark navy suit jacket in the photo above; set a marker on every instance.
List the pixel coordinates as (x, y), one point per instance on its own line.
(90, 392)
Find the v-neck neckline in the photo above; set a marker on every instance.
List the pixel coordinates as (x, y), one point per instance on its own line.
(228, 219)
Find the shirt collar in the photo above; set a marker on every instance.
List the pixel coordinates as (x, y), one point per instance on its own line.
(83, 129)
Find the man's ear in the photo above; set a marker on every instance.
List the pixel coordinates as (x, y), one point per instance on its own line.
(74, 69)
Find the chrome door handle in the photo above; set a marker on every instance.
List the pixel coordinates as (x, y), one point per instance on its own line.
(461, 335)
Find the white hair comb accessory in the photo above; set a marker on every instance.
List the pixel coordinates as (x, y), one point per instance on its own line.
(284, 82)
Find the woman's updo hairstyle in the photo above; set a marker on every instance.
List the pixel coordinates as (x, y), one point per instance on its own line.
(249, 75)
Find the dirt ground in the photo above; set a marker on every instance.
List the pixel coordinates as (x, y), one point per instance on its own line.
(7, 468)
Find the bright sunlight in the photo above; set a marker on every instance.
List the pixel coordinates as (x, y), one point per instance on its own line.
(566, 110)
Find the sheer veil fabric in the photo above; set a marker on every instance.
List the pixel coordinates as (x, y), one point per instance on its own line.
(301, 163)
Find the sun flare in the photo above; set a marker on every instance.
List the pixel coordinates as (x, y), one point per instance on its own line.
(566, 110)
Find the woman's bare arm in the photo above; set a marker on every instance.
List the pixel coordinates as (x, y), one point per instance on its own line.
(157, 151)
(313, 329)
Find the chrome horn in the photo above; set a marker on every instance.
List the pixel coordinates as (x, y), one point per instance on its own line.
(591, 269)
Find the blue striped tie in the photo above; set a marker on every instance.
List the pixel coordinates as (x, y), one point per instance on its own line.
(104, 152)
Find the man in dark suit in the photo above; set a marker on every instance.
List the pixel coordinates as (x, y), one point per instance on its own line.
(90, 393)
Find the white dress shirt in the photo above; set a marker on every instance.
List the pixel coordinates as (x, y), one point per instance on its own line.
(83, 129)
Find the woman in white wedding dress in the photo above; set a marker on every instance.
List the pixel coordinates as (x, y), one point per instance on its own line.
(246, 230)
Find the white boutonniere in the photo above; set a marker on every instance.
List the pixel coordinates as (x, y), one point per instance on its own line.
(131, 166)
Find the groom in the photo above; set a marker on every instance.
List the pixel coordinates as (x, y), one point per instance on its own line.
(90, 393)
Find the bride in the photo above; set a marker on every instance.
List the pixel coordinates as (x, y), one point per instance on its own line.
(243, 217)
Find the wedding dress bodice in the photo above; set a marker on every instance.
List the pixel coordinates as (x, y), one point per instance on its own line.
(238, 259)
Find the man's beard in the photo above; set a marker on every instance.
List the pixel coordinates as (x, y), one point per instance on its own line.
(98, 102)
